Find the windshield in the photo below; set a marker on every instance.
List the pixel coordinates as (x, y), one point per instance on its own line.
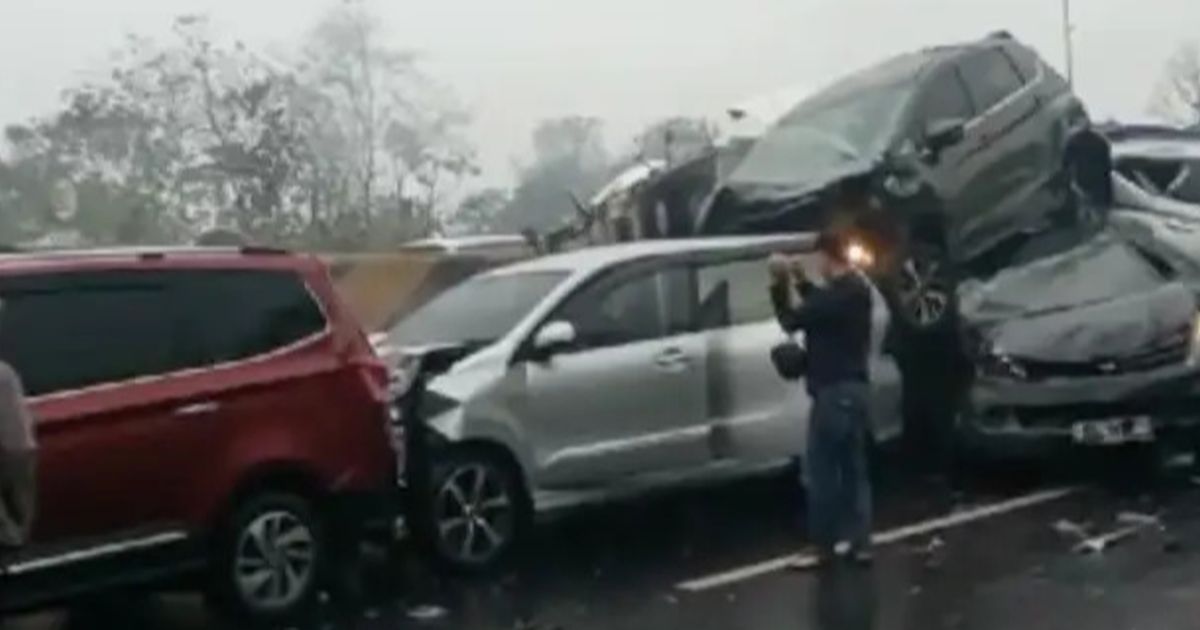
(478, 311)
(825, 134)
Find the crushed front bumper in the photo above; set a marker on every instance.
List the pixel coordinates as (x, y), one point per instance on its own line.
(1009, 418)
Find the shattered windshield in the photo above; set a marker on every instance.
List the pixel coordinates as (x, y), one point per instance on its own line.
(478, 311)
(826, 133)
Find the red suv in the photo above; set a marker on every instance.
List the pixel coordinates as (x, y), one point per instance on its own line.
(210, 409)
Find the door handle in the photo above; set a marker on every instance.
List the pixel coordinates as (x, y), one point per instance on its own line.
(672, 359)
(198, 409)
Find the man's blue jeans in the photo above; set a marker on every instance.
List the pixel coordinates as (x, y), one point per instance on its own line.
(839, 480)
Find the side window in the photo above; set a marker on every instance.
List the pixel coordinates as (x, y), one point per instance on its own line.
(990, 77)
(232, 315)
(642, 307)
(945, 98)
(733, 293)
(62, 333)
(1026, 62)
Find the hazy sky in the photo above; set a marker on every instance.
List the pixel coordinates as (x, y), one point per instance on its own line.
(628, 62)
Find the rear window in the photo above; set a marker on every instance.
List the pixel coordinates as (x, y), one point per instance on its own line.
(733, 293)
(232, 315)
(990, 77)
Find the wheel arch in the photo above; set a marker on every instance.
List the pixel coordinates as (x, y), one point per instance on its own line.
(280, 476)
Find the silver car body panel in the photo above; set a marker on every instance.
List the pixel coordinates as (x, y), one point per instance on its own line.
(611, 421)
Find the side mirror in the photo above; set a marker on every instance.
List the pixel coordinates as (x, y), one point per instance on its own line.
(553, 337)
(943, 134)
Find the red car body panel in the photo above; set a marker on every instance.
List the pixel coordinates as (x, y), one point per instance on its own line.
(171, 451)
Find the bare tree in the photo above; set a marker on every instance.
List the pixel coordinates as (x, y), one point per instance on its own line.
(398, 131)
(1177, 96)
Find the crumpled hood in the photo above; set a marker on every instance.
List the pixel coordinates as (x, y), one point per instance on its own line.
(1110, 329)
(781, 178)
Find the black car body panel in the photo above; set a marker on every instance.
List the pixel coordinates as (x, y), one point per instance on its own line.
(867, 138)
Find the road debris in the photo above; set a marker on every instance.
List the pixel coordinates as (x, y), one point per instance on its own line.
(1067, 527)
(1099, 544)
(426, 612)
(1138, 518)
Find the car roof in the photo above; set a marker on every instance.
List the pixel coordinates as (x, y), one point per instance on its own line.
(159, 257)
(906, 66)
(592, 259)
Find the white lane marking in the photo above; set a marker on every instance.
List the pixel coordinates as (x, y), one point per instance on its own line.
(881, 538)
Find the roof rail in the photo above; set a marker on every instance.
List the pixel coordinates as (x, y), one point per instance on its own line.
(262, 250)
(1000, 34)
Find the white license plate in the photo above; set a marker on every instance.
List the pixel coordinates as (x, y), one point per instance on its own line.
(1113, 431)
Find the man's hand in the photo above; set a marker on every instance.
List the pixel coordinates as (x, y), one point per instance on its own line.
(779, 267)
(796, 267)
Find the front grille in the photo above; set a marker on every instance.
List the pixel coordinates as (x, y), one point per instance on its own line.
(1170, 353)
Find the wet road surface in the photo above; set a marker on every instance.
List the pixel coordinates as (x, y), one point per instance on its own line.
(625, 566)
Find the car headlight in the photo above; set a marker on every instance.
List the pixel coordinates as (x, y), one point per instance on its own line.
(995, 362)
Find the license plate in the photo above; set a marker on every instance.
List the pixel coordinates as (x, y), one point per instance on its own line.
(1113, 431)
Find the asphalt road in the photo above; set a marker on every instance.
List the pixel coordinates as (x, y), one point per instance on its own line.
(703, 559)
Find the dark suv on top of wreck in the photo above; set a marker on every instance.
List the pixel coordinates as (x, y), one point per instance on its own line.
(934, 157)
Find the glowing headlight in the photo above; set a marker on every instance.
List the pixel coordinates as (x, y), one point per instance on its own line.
(996, 362)
(859, 255)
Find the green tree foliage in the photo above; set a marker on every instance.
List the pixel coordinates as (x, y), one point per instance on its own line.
(346, 146)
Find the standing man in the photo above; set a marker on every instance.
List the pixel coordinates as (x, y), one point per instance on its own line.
(836, 320)
(18, 465)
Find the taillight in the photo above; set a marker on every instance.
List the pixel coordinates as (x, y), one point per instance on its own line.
(374, 373)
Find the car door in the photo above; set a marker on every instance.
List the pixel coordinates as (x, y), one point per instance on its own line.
(628, 397)
(1007, 166)
(756, 415)
(954, 172)
(759, 416)
(261, 379)
(96, 352)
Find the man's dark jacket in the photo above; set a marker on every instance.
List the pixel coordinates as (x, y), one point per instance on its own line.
(836, 320)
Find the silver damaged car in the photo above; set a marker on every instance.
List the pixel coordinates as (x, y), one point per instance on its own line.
(603, 373)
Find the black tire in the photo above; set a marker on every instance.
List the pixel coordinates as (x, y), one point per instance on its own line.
(1073, 210)
(472, 524)
(922, 288)
(278, 539)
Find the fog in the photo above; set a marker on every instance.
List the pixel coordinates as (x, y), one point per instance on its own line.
(628, 62)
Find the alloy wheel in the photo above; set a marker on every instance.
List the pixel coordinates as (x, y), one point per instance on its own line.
(275, 561)
(474, 514)
(924, 295)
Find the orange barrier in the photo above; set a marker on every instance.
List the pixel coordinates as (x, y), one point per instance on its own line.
(381, 289)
